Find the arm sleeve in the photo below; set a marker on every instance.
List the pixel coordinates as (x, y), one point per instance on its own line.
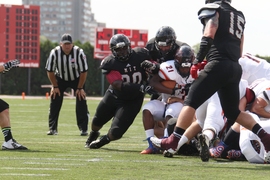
(113, 76)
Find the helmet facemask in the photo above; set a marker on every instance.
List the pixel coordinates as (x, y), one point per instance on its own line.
(183, 68)
(217, 1)
(164, 47)
(120, 47)
(121, 51)
(183, 60)
(164, 40)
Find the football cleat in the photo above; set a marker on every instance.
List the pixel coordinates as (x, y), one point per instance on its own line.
(170, 144)
(204, 148)
(235, 155)
(92, 137)
(151, 150)
(52, 132)
(99, 143)
(166, 153)
(216, 152)
(84, 133)
(156, 142)
(267, 157)
(12, 144)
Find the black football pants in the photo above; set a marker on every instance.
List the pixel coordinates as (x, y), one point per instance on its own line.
(56, 104)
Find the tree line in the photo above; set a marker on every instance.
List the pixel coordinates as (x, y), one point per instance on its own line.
(29, 80)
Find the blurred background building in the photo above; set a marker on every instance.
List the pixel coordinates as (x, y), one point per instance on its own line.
(70, 16)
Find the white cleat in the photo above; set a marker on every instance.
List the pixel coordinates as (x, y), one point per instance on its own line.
(267, 157)
(12, 144)
(156, 141)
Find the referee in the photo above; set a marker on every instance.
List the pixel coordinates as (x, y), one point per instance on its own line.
(67, 68)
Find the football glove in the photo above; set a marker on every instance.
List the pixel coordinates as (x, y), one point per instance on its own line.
(147, 89)
(194, 70)
(11, 64)
(203, 63)
(150, 67)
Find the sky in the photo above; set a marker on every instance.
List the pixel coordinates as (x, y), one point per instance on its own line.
(182, 17)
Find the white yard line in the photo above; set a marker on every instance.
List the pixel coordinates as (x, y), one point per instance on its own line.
(22, 174)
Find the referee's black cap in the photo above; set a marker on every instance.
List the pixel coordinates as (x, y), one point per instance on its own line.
(66, 38)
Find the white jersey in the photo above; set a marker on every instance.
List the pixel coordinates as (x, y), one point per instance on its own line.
(168, 71)
(254, 68)
(243, 84)
(261, 88)
(250, 144)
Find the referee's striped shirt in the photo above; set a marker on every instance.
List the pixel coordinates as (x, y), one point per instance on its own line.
(67, 67)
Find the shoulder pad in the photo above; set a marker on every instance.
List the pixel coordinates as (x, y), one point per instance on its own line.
(105, 64)
(208, 10)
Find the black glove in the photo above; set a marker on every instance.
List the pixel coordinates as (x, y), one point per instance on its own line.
(11, 64)
(150, 67)
(147, 89)
(186, 88)
(177, 91)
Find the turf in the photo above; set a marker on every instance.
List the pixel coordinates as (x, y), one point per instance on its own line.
(64, 157)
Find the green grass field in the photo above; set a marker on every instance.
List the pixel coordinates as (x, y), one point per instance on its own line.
(64, 156)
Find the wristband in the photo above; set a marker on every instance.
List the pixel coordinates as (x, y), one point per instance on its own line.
(79, 88)
(55, 86)
(173, 91)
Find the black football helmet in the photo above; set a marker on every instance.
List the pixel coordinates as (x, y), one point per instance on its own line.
(165, 37)
(183, 60)
(217, 1)
(120, 47)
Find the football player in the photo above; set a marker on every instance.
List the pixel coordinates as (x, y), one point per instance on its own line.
(209, 120)
(250, 145)
(172, 99)
(162, 47)
(222, 45)
(254, 68)
(260, 106)
(124, 97)
(10, 143)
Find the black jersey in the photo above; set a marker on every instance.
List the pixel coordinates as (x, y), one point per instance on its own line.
(130, 70)
(227, 40)
(157, 56)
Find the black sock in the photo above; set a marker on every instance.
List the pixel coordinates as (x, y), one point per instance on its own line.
(256, 129)
(7, 133)
(263, 135)
(178, 132)
(231, 137)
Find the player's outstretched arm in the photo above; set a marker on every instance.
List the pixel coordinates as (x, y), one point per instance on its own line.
(9, 65)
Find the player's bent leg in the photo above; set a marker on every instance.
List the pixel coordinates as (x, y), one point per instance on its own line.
(100, 142)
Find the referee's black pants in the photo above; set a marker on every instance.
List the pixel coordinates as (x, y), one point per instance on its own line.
(56, 104)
